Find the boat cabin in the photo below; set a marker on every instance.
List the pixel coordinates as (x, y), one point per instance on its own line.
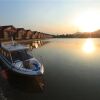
(15, 52)
(16, 58)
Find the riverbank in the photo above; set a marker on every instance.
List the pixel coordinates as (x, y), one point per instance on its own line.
(23, 40)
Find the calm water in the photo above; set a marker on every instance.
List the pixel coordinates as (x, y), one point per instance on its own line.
(72, 70)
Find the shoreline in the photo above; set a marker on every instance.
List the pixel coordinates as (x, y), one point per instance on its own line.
(23, 40)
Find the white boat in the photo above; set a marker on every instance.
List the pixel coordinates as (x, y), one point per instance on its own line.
(16, 57)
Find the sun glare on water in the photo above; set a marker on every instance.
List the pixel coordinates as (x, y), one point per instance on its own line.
(88, 46)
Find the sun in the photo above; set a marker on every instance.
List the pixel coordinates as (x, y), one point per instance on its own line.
(88, 21)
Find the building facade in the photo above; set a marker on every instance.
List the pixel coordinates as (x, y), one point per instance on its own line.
(20, 33)
(7, 31)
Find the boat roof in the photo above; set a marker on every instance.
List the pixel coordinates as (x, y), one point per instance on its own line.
(9, 46)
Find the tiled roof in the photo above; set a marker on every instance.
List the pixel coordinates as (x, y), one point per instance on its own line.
(20, 29)
(3, 27)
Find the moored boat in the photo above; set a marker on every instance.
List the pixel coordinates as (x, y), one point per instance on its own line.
(17, 58)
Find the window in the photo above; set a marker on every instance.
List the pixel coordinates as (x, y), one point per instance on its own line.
(20, 55)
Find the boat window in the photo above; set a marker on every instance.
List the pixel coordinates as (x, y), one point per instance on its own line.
(20, 55)
(4, 53)
(1, 51)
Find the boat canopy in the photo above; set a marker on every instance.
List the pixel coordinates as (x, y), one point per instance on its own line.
(8, 46)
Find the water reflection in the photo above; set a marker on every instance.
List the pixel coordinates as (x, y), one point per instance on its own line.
(27, 84)
(89, 46)
(36, 44)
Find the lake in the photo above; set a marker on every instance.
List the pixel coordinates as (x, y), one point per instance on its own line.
(72, 71)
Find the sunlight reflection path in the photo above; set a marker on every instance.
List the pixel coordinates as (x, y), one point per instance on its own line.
(88, 46)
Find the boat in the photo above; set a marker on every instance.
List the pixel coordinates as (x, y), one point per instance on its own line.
(18, 59)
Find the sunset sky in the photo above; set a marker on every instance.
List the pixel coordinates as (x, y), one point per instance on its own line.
(51, 16)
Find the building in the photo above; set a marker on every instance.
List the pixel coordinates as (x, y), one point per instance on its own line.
(28, 34)
(20, 34)
(7, 31)
(35, 35)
